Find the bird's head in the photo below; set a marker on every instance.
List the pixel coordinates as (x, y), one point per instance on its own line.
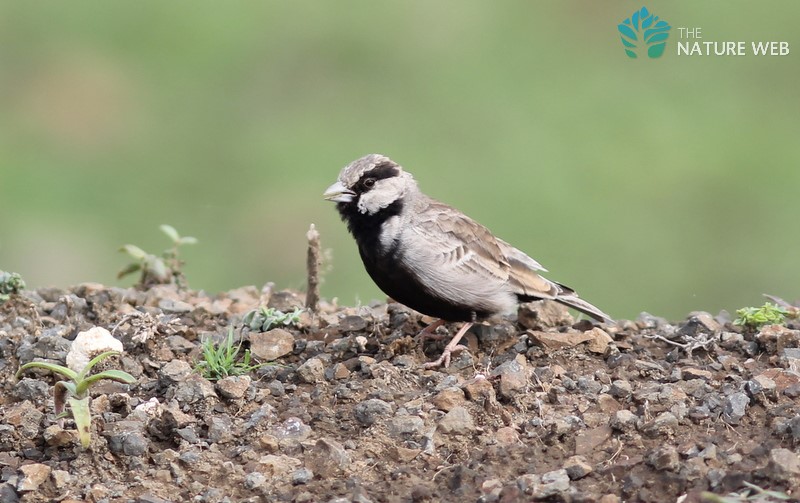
(370, 184)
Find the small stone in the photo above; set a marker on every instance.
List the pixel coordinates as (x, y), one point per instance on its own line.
(370, 411)
(577, 467)
(135, 444)
(623, 420)
(174, 372)
(599, 341)
(33, 476)
(233, 387)
(302, 476)
(507, 436)
(61, 478)
(735, 407)
(340, 371)
(543, 314)
(405, 427)
(327, 458)
(553, 341)
(543, 486)
(784, 465)
(271, 345)
(312, 371)
(448, 398)
(664, 424)
(694, 373)
(352, 324)
(194, 389)
(55, 436)
(589, 440)
(405, 454)
(513, 376)
(664, 458)
(254, 480)
(220, 429)
(620, 389)
(699, 322)
(457, 422)
(34, 390)
(25, 416)
(479, 390)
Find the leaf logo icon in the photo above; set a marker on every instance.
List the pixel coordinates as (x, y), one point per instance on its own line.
(644, 29)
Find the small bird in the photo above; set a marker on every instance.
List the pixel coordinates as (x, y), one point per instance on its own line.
(433, 258)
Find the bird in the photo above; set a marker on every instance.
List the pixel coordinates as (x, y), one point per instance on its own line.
(433, 258)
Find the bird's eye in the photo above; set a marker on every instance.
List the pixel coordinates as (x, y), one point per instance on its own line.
(369, 182)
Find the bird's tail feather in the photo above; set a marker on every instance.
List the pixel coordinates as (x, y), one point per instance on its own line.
(581, 305)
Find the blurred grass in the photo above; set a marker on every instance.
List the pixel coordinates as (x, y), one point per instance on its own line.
(666, 186)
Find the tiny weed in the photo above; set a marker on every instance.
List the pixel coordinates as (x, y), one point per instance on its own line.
(156, 270)
(222, 360)
(75, 391)
(10, 283)
(756, 317)
(264, 319)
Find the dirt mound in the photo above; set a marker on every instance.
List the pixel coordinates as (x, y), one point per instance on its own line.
(538, 408)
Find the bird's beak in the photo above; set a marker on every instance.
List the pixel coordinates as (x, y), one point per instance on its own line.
(339, 193)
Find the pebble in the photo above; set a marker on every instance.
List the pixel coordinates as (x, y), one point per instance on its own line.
(370, 411)
(448, 398)
(269, 346)
(577, 467)
(694, 373)
(194, 389)
(664, 458)
(174, 372)
(33, 476)
(784, 465)
(620, 389)
(543, 314)
(233, 387)
(734, 407)
(302, 476)
(664, 424)
(26, 417)
(254, 480)
(547, 485)
(405, 427)
(34, 390)
(220, 428)
(513, 376)
(599, 342)
(327, 458)
(623, 420)
(312, 371)
(457, 422)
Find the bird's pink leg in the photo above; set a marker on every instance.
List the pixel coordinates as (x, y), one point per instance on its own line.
(452, 347)
(428, 332)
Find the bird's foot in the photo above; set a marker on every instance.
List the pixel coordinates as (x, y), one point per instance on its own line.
(451, 348)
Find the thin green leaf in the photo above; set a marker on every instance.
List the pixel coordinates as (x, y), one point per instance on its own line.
(170, 232)
(52, 367)
(134, 251)
(113, 374)
(129, 269)
(94, 361)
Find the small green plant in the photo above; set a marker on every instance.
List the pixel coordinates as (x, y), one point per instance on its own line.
(10, 283)
(222, 360)
(756, 317)
(156, 270)
(75, 391)
(752, 493)
(263, 318)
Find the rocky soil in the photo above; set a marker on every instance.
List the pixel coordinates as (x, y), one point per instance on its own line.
(539, 408)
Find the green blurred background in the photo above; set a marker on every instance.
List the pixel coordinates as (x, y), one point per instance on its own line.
(664, 185)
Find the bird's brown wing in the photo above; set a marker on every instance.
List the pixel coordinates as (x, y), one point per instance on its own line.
(524, 277)
(460, 245)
